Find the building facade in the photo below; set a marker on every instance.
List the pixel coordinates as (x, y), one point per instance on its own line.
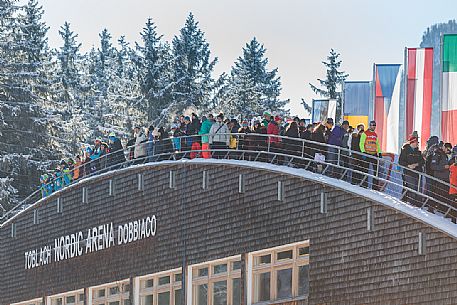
(220, 233)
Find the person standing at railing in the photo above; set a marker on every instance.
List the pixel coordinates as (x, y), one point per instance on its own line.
(369, 145)
(411, 158)
(204, 132)
(453, 182)
(335, 138)
(77, 168)
(219, 137)
(356, 157)
(440, 166)
(293, 146)
(116, 150)
(274, 142)
(140, 145)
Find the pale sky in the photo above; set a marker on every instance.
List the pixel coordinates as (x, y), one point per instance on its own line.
(297, 34)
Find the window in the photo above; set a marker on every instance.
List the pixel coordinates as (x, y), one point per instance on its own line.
(280, 273)
(163, 288)
(112, 294)
(68, 298)
(217, 283)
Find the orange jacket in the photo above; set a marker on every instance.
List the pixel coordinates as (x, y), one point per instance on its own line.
(453, 179)
(76, 170)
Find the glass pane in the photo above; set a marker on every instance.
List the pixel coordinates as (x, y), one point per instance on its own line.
(148, 283)
(164, 280)
(126, 288)
(71, 300)
(126, 302)
(284, 255)
(264, 259)
(56, 301)
(163, 298)
(178, 277)
(178, 297)
(101, 293)
(284, 283)
(202, 294)
(203, 272)
(236, 265)
(236, 292)
(113, 290)
(147, 300)
(303, 280)
(303, 251)
(220, 268)
(262, 287)
(114, 303)
(220, 293)
(81, 297)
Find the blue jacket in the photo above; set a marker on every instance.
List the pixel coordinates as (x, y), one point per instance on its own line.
(336, 136)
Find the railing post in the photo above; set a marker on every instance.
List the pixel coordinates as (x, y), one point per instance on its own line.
(339, 156)
(303, 149)
(268, 144)
(377, 167)
(419, 183)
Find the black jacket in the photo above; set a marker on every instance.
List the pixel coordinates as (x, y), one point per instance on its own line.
(438, 165)
(408, 156)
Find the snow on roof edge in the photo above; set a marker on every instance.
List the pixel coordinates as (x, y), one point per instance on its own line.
(440, 223)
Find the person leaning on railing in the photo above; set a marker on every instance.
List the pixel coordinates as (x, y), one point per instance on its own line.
(219, 137)
(369, 145)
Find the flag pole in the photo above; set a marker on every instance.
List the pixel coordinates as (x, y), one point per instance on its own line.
(440, 119)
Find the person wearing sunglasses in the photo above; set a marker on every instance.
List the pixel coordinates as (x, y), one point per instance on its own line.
(369, 146)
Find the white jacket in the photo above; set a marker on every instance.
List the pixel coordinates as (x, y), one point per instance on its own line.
(219, 132)
(140, 149)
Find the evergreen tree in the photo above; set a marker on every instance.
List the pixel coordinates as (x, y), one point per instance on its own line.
(192, 68)
(153, 70)
(23, 141)
(252, 88)
(335, 78)
(71, 106)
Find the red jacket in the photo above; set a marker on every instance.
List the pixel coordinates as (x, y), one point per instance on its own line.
(273, 129)
(453, 179)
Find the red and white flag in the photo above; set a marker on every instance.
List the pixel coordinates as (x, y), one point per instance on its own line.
(419, 86)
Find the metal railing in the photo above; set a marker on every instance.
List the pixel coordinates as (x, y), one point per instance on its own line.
(364, 170)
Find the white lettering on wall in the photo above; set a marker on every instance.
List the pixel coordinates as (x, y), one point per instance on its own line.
(97, 238)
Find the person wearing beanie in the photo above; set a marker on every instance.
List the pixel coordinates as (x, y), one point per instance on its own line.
(412, 161)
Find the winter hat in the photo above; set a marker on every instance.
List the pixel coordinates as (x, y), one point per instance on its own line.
(415, 134)
(277, 118)
(266, 113)
(244, 123)
(111, 135)
(186, 118)
(412, 139)
(220, 115)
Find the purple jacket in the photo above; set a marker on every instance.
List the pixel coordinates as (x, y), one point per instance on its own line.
(336, 136)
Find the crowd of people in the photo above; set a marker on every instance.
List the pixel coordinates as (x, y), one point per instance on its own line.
(215, 136)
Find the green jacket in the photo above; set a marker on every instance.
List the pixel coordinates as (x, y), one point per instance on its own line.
(204, 130)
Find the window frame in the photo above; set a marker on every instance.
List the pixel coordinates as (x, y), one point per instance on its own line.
(36, 301)
(107, 298)
(63, 296)
(213, 278)
(274, 266)
(156, 288)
